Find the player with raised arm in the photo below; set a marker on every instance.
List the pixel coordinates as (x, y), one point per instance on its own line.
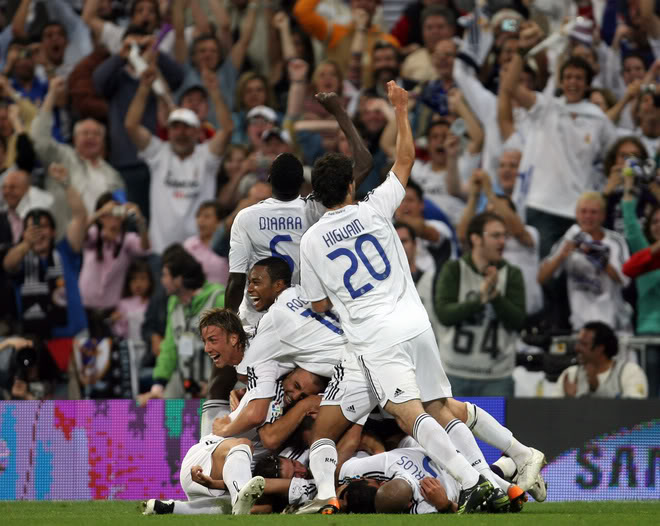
(352, 259)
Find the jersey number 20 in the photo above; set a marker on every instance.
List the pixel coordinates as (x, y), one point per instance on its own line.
(380, 276)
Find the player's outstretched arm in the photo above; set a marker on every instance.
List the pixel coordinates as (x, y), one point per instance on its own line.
(362, 160)
(405, 147)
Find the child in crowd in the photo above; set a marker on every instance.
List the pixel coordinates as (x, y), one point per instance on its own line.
(216, 268)
(108, 251)
(129, 314)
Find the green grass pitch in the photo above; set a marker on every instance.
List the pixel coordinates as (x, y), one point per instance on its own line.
(120, 513)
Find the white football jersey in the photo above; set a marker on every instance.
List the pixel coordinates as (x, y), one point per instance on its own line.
(353, 256)
(411, 464)
(270, 228)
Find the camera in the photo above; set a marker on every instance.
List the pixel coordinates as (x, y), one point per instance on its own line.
(644, 172)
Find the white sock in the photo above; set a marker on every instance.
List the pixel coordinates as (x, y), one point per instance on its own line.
(212, 409)
(434, 439)
(237, 470)
(486, 428)
(501, 483)
(202, 506)
(323, 464)
(507, 466)
(460, 436)
(518, 452)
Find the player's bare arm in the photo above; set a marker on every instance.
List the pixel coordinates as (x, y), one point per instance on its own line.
(362, 159)
(405, 147)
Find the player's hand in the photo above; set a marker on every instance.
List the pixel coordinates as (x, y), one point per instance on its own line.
(311, 403)
(397, 95)
(220, 424)
(435, 493)
(197, 475)
(570, 388)
(235, 398)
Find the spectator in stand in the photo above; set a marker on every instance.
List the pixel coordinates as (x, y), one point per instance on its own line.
(385, 66)
(522, 247)
(565, 138)
(408, 29)
(64, 37)
(108, 251)
(645, 245)
(207, 54)
(232, 169)
(50, 304)
(182, 170)
(129, 314)
(89, 172)
(339, 38)
(592, 257)
(117, 81)
(20, 68)
(626, 150)
(252, 92)
(21, 197)
(480, 301)
(209, 217)
(182, 366)
(438, 23)
(16, 114)
(600, 373)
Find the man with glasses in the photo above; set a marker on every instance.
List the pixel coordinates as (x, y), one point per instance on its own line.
(480, 302)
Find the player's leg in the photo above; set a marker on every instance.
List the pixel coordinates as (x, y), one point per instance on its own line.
(346, 400)
(198, 506)
(221, 382)
(232, 463)
(528, 461)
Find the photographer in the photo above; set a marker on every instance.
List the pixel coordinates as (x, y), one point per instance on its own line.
(182, 367)
(45, 272)
(592, 257)
(32, 373)
(626, 153)
(108, 251)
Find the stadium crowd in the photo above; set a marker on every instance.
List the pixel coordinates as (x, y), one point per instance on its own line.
(134, 134)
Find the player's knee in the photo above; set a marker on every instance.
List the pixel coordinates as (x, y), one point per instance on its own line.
(243, 444)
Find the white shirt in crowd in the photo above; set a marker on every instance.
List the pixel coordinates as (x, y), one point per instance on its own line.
(178, 187)
(563, 143)
(528, 261)
(434, 186)
(592, 294)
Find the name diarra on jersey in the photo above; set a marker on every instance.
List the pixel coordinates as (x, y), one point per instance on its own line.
(345, 232)
(280, 223)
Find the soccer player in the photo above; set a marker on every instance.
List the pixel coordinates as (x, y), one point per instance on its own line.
(352, 259)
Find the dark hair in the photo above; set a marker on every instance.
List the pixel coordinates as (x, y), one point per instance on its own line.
(213, 205)
(360, 497)
(36, 214)
(135, 30)
(100, 203)
(579, 63)
(384, 44)
(278, 269)
(411, 230)
(137, 266)
(332, 174)
(436, 122)
(268, 467)
(416, 188)
(226, 320)
(286, 176)
(51, 23)
(182, 263)
(153, 2)
(438, 10)
(610, 156)
(202, 38)
(610, 98)
(605, 336)
(479, 222)
(637, 55)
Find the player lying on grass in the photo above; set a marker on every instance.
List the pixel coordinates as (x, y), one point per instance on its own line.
(216, 473)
